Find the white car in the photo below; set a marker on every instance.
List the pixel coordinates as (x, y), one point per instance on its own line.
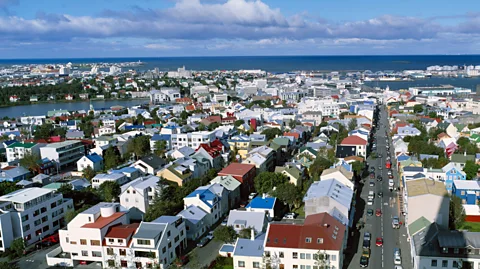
(252, 195)
(390, 183)
(210, 235)
(370, 201)
(290, 216)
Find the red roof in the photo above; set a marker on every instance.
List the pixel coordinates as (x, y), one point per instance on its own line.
(214, 149)
(229, 119)
(296, 135)
(122, 231)
(236, 169)
(184, 100)
(353, 140)
(324, 232)
(103, 221)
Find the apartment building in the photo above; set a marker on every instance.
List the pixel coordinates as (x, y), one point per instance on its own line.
(18, 150)
(31, 214)
(63, 153)
(192, 140)
(320, 239)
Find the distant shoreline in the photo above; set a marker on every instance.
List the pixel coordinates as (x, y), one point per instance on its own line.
(70, 101)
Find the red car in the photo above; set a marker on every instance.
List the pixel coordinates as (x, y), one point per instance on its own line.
(83, 262)
(379, 242)
(378, 212)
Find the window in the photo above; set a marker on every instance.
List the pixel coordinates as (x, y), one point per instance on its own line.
(302, 266)
(455, 264)
(123, 252)
(177, 238)
(267, 253)
(164, 249)
(123, 263)
(302, 256)
(308, 256)
(25, 218)
(444, 263)
(169, 233)
(111, 263)
(181, 232)
(444, 250)
(56, 223)
(295, 255)
(256, 265)
(84, 253)
(143, 242)
(83, 241)
(110, 251)
(138, 265)
(333, 258)
(281, 255)
(54, 204)
(96, 254)
(308, 240)
(169, 244)
(434, 263)
(95, 242)
(295, 266)
(456, 250)
(26, 227)
(241, 264)
(319, 240)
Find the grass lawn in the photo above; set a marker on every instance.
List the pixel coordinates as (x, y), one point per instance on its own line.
(470, 226)
(300, 211)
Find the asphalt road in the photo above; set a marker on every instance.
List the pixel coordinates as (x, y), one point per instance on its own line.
(382, 257)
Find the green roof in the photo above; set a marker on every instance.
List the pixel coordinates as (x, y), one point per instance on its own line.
(461, 158)
(22, 145)
(309, 149)
(293, 171)
(181, 176)
(53, 186)
(281, 141)
(418, 225)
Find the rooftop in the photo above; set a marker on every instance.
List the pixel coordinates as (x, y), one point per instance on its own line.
(63, 144)
(425, 186)
(101, 222)
(24, 195)
(122, 231)
(262, 203)
(250, 248)
(149, 230)
(22, 145)
(237, 169)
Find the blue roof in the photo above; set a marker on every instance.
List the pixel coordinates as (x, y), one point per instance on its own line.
(205, 195)
(263, 203)
(95, 158)
(132, 127)
(403, 158)
(412, 169)
(125, 170)
(227, 248)
(161, 137)
(9, 142)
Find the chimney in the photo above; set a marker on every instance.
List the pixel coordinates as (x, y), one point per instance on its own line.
(198, 195)
(465, 153)
(264, 196)
(252, 234)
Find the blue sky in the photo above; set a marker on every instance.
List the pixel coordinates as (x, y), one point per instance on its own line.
(145, 28)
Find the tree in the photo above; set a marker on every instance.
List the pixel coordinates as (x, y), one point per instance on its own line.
(271, 133)
(160, 148)
(471, 169)
(109, 190)
(88, 173)
(140, 146)
(352, 125)
(6, 265)
(238, 123)
(43, 131)
(140, 119)
(432, 114)
(456, 214)
(29, 161)
(17, 248)
(202, 127)
(418, 108)
(225, 234)
(292, 123)
(318, 166)
(184, 115)
(111, 159)
(8, 187)
(288, 193)
(245, 233)
(265, 181)
(358, 167)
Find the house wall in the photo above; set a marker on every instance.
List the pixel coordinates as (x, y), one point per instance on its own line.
(334, 260)
(426, 262)
(438, 207)
(6, 231)
(247, 262)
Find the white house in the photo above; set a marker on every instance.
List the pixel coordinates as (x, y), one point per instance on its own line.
(18, 150)
(94, 160)
(99, 179)
(140, 193)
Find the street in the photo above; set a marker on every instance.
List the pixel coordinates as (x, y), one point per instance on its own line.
(381, 226)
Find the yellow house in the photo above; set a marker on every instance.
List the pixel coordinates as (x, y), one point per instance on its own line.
(176, 173)
(242, 147)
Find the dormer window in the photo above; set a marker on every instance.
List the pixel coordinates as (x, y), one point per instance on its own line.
(308, 240)
(319, 240)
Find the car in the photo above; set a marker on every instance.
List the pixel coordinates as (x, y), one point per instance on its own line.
(252, 195)
(370, 201)
(372, 184)
(380, 194)
(378, 212)
(397, 258)
(398, 267)
(83, 262)
(290, 215)
(367, 236)
(366, 252)
(396, 223)
(363, 262)
(203, 242)
(370, 212)
(380, 167)
(379, 155)
(210, 235)
(390, 176)
(372, 175)
(224, 222)
(379, 242)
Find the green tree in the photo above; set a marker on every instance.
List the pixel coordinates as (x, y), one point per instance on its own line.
(271, 133)
(352, 124)
(140, 146)
(29, 161)
(358, 168)
(8, 187)
(160, 148)
(292, 123)
(456, 214)
(238, 123)
(225, 234)
(471, 169)
(432, 114)
(202, 127)
(418, 108)
(7, 265)
(318, 166)
(245, 233)
(109, 190)
(140, 119)
(17, 248)
(111, 158)
(184, 115)
(266, 181)
(88, 173)
(288, 193)
(43, 131)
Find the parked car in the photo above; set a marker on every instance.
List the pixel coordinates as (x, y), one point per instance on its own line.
(363, 262)
(203, 242)
(367, 236)
(370, 212)
(397, 258)
(290, 215)
(210, 235)
(372, 175)
(224, 222)
(366, 252)
(371, 184)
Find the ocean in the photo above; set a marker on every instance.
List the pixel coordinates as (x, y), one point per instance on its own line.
(278, 63)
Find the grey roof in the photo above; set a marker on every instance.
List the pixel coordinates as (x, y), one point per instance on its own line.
(166, 219)
(142, 183)
(253, 219)
(249, 248)
(193, 213)
(228, 182)
(154, 161)
(148, 230)
(331, 188)
(412, 169)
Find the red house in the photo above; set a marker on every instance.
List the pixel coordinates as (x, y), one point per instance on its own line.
(244, 173)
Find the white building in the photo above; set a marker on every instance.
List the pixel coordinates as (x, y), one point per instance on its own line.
(140, 193)
(193, 139)
(99, 179)
(94, 161)
(34, 120)
(18, 150)
(165, 95)
(31, 214)
(63, 153)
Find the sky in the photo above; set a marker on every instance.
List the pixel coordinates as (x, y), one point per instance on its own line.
(163, 28)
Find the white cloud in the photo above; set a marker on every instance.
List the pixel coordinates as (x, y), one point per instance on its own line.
(160, 47)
